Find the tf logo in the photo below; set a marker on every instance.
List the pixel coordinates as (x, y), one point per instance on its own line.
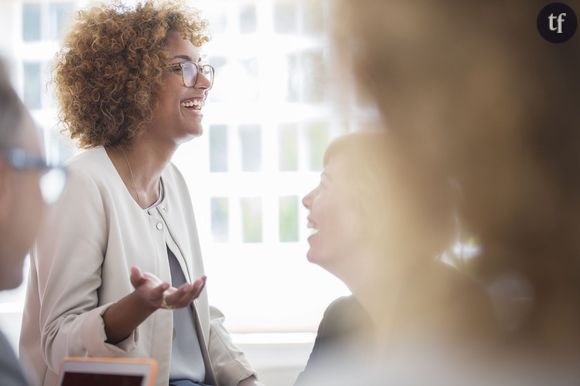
(557, 22)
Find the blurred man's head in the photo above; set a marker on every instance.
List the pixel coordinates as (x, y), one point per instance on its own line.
(21, 203)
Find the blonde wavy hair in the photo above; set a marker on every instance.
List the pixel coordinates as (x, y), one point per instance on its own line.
(110, 70)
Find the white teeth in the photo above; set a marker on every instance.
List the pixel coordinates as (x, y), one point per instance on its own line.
(196, 104)
(311, 229)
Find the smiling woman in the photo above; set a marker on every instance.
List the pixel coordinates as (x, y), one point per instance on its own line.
(185, 92)
(115, 60)
(380, 229)
(119, 266)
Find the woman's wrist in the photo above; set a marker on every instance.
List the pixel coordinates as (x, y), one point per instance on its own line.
(123, 317)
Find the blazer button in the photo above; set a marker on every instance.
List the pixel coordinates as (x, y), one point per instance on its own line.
(159, 226)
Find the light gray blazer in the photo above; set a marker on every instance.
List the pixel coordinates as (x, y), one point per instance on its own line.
(81, 265)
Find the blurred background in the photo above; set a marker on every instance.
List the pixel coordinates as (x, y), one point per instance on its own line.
(268, 120)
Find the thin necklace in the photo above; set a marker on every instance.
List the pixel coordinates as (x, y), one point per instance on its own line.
(139, 201)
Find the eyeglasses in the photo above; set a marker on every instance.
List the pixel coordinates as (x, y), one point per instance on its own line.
(53, 177)
(189, 71)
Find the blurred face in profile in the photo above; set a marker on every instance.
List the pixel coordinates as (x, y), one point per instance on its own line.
(21, 209)
(333, 218)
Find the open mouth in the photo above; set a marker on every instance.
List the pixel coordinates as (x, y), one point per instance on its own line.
(193, 104)
(312, 230)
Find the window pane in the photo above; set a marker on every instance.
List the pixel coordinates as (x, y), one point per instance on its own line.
(60, 16)
(220, 219)
(250, 77)
(317, 140)
(293, 78)
(288, 148)
(217, 62)
(285, 17)
(288, 219)
(221, 86)
(32, 85)
(251, 147)
(218, 148)
(248, 18)
(312, 17)
(313, 67)
(30, 22)
(251, 209)
(219, 22)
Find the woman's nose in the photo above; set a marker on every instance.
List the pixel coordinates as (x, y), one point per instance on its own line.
(307, 200)
(203, 81)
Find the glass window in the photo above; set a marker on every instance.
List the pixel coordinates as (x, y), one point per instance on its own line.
(251, 147)
(251, 210)
(312, 17)
(288, 147)
(220, 229)
(32, 85)
(30, 22)
(313, 69)
(317, 135)
(288, 218)
(285, 15)
(217, 62)
(293, 61)
(59, 18)
(219, 22)
(248, 18)
(218, 148)
(222, 82)
(251, 79)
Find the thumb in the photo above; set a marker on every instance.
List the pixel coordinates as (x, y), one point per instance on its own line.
(136, 277)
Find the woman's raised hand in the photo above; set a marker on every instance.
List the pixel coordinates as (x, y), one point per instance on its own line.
(159, 294)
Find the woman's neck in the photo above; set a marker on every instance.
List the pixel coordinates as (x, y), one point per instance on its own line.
(379, 281)
(140, 166)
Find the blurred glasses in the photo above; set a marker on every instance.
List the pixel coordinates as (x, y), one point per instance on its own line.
(53, 177)
(189, 71)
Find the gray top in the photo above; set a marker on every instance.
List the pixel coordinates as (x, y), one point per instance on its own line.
(10, 371)
(186, 358)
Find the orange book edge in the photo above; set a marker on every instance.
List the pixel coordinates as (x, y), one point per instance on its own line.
(145, 361)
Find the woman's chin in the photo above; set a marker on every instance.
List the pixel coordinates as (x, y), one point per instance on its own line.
(311, 256)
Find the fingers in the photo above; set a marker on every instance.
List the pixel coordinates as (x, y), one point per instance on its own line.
(154, 280)
(148, 286)
(158, 291)
(137, 278)
(185, 294)
(198, 286)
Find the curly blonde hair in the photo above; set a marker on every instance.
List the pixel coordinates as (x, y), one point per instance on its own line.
(110, 70)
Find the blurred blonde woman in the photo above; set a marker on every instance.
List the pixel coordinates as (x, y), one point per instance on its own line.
(382, 230)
